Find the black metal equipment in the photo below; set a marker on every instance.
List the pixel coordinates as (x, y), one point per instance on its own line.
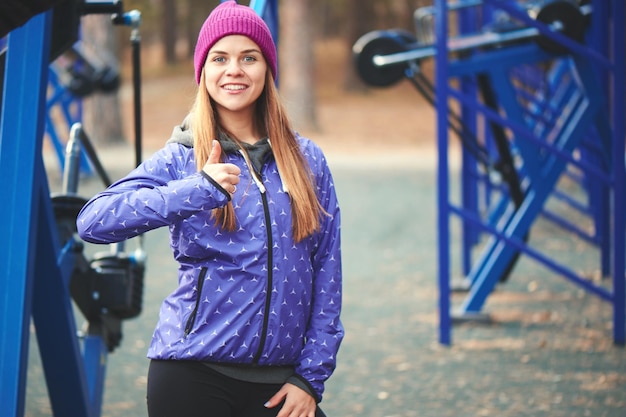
(382, 57)
(107, 288)
(381, 42)
(86, 77)
(48, 270)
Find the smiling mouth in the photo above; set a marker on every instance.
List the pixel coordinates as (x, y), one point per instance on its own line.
(232, 87)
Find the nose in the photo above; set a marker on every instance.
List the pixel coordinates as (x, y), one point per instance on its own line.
(233, 67)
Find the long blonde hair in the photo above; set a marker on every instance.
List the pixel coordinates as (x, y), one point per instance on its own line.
(294, 169)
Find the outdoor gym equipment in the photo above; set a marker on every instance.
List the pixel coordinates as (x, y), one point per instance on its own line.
(535, 82)
(73, 77)
(45, 265)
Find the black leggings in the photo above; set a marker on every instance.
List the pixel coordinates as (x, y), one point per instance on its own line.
(191, 389)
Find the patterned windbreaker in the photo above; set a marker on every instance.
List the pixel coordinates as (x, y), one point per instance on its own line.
(252, 296)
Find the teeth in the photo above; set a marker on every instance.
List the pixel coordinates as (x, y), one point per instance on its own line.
(234, 87)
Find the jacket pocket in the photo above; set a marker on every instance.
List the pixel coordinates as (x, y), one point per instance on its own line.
(192, 317)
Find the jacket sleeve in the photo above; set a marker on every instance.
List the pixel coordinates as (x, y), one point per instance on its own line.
(325, 331)
(162, 190)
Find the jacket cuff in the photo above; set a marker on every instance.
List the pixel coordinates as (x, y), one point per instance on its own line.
(216, 185)
(303, 384)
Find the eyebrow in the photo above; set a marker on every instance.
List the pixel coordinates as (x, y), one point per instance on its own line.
(247, 51)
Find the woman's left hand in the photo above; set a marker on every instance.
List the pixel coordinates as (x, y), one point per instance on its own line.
(298, 403)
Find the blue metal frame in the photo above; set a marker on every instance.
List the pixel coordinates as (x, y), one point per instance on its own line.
(443, 186)
(37, 267)
(588, 102)
(19, 148)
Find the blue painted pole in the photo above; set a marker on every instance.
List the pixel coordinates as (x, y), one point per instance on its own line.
(467, 21)
(619, 209)
(443, 226)
(54, 321)
(21, 136)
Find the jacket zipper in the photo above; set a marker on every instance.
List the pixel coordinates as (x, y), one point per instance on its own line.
(270, 258)
(192, 317)
(270, 277)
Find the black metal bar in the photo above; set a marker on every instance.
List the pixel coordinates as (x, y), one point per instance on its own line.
(93, 156)
(506, 164)
(102, 7)
(456, 124)
(136, 44)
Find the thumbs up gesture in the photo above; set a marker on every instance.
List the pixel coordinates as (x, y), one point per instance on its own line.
(225, 174)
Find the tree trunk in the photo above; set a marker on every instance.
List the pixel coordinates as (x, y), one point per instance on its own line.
(168, 30)
(356, 25)
(102, 118)
(297, 69)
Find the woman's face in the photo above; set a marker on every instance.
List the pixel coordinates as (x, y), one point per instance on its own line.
(234, 74)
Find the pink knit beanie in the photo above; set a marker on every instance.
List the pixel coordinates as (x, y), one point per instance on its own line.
(230, 18)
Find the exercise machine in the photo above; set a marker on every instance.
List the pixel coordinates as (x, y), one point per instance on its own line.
(539, 89)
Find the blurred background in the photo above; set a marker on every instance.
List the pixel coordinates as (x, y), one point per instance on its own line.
(544, 347)
(315, 42)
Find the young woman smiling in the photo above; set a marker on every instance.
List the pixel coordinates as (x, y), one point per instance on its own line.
(253, 328)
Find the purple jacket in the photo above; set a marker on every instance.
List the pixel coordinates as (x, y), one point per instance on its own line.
(251, 296)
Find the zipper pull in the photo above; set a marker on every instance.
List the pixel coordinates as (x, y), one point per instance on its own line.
(258, 183)
(255, 177)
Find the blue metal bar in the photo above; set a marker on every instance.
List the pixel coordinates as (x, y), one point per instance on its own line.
(519, 245)
(54, 321)
(486, 273)
(522, 131)
(53, 98)
(468, 20)
(443, 219)
(21, 137)
(619, 205)
(71, 109)
(95, 355)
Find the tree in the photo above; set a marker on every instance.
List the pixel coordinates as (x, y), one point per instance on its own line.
(169, 30)
(297, 68)
(195, 14)
(356, 24)
(101, 111)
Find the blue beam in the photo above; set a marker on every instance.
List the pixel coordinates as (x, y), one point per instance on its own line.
(619, 209)
(443, 219)
(21, 136)
(54, 321)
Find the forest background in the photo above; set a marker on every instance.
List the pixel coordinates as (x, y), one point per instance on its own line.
(315, 65)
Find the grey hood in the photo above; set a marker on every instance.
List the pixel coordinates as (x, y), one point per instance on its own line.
(259, 153)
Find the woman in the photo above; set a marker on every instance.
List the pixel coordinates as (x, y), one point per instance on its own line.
(253, 328)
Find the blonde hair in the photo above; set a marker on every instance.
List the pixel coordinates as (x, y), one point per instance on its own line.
(294, 169)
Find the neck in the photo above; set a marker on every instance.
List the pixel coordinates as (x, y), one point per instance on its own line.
(241, 126)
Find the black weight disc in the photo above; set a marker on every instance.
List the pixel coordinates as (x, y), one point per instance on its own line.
(380, 42)
(571, 18)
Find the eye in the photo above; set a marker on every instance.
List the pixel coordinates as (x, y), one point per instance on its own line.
(219, 58)
(249, 58)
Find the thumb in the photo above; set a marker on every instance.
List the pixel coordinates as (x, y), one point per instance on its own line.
(216, 151)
